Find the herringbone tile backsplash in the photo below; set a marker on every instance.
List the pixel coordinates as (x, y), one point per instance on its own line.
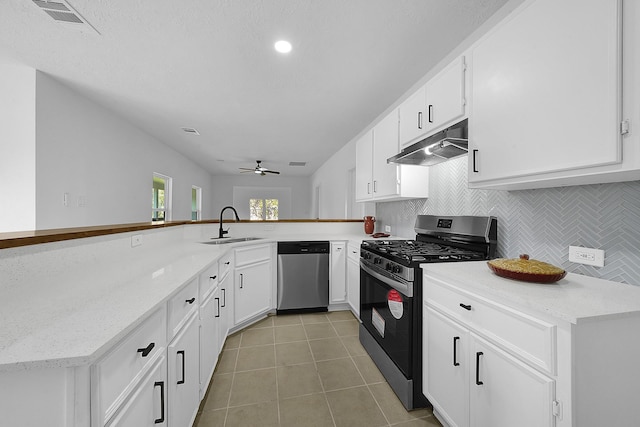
(542, 223)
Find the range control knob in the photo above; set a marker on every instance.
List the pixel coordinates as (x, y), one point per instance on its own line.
(397, 269)
(377, 260)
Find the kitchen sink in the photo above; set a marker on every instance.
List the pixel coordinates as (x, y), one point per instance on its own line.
(226, 240)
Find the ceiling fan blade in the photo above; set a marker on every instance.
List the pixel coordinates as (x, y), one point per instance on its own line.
(274, 172)
(246, 169)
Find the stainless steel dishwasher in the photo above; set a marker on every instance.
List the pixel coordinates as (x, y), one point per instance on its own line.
(303, 276)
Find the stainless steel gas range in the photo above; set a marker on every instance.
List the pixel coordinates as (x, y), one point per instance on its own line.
(391, 292)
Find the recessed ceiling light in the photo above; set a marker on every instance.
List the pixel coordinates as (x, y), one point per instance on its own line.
(283, 46)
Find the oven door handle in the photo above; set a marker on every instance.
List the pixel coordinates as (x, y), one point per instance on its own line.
(404, 289)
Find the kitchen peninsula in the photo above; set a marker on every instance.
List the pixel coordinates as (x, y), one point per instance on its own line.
(69, 306)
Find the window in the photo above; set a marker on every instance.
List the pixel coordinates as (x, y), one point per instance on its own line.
(263, 209)
(196, 203)
(161, 198)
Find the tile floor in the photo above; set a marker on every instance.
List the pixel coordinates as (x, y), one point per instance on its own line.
(302, 370)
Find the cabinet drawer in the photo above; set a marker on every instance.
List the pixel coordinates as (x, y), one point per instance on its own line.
(208, 280)
(523, 335)
(353, 252)
(225, 264)
(182, 304)
(118, 372)
(251, 254)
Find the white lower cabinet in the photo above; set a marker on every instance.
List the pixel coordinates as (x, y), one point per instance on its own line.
(226, 307)
(506, 392)
(210, 338)
(148, 403)
(446, 367)
(472, 382)
(184, 374)
(252, 290)
(353, 278)
(338, 273)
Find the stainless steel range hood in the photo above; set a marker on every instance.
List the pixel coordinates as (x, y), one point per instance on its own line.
(444, 145)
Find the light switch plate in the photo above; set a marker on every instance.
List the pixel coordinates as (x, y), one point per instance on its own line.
(387, 229)
(588, 256)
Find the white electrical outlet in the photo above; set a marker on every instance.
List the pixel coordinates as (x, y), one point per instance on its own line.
(387, 229)
(588, 256)
(136, 240)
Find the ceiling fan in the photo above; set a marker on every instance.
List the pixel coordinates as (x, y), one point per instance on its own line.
(260, 170)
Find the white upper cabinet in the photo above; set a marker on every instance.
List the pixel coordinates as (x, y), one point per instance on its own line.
(545, 96)
(378, 180)
(413, 117)
(386, 181)
(446, 100)
(441, 102)
(364, 167)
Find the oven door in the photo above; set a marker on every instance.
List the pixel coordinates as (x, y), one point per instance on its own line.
(387, 315)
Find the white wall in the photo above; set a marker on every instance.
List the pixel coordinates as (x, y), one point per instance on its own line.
(17, 147)
(221, 192)
(333, 180)
(86, 150)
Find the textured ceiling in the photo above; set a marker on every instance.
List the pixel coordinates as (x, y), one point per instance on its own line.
(210, 65)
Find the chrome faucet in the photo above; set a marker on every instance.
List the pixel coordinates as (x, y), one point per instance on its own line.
(222, 232)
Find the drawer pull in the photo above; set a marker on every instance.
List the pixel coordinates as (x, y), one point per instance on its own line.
(224, 297)
(161, 385)
(478, 354)
(466, 306)
(190, 301)
(145, 351)
(218, 301)
(227, 263)
(213, 277)
(455, 351)
(181, 352)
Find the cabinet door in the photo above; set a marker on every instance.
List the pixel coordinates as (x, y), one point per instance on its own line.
(226, 307)
(412, 117)
(505, 392)
(364, 167)
(252, 294)
(353, 286)
(184, 374)
(385, 145)
(545, 92)
(147, 406)
(446, 367)
(209, 338)
(337, 283)
(446, 96)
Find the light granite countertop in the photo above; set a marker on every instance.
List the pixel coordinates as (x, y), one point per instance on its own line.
(67, 308)
(574, 299)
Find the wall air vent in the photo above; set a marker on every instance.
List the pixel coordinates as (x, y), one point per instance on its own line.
(62, 12)
(297, 163)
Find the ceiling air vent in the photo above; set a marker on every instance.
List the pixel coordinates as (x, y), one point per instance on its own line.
(63, 13)
(191, 130)
(297, 163)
